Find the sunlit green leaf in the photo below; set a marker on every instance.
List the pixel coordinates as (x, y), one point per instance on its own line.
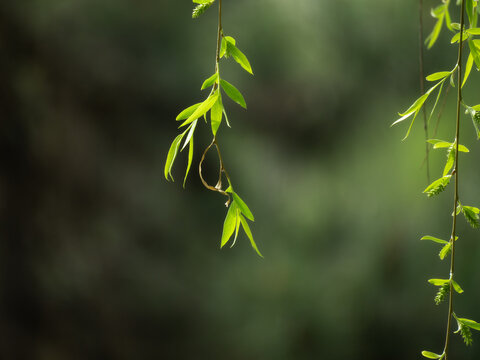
(229, 224)
(432, 38)
(216, 115)
(445, 250)
(457, 287)
(172, 154)
(233, 93)
(190, 158)
(247, 230)
(450, 160)
(437, 240)
(475, 52)
(210, 81)
(456, 37)
(187, 112)
(468, 69)
(438, 282)
(438, 75)
(431, 355)
(190, 134)
(202, 109)
(243, 207)
(239, 57)
(470, 323)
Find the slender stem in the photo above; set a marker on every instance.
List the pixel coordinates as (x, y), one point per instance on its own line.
(219, 35)
(422, 85)
(455, 170)
(222, 170)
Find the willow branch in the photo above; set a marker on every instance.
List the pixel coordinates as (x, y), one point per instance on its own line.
(455, 171)
(422, 85)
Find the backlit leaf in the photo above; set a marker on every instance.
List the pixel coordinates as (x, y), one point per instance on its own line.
(233, 93)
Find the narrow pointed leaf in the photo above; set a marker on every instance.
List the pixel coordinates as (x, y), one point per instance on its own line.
(190, 158)
(437, 76)
(243, 207)
(229, 224)
(470, 323)
(190, 134)
(216, 115)
(202, 109)
(233, 93)
(223, 47)
(437, 240)
(468, 68)
(438, 282)
(445, 250)
(475, 53)
(457, 287)
(240, 58)
(210, 81)
(247, 230)
(187, 112)
(172, 154)
(237, 227)
(432, 38)
(430, 355)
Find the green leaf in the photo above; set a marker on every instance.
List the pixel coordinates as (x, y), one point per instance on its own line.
(445, 251)
(468, 69)
(470, 323)
(457, 287)
(210, 81)
(223, 48)
(438, 75)
(247, 230)
(187, 112)
(474, 112)
(229, 224)
(470, 10)
(437, 186)
(202, 109)
(237, 227)
(432, 38)
(233, 93)
(172, 154)
(242, 206)
(438, 144)
(475, 52)
(216, 115)
(190, 134)
(239, 57)
(230, 40)
(438, 282)
(437, 240)
(416, 105)
(456, 37)
(431, 355)
(450, 160)
(473, 31)
(436, 102)
(456, 26)
(190, 158)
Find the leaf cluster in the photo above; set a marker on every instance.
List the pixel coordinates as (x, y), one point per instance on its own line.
(236, 214)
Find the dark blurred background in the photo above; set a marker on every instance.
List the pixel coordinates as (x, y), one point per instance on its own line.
(101, 258)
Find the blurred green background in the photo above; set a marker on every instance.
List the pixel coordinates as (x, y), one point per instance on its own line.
(101, 258)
